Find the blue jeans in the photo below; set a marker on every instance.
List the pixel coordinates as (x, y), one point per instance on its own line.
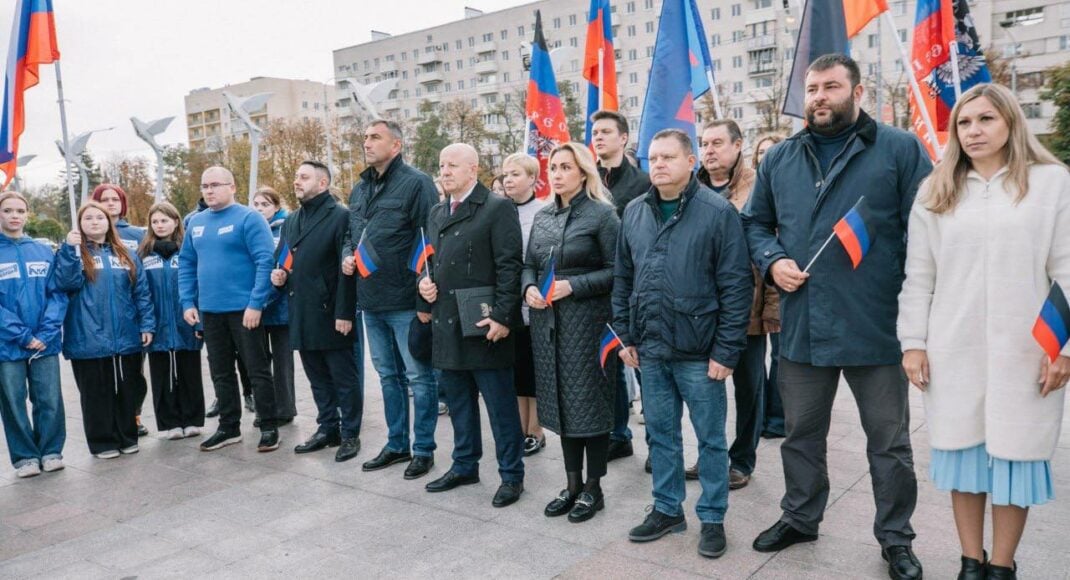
(44, 438)
(621, 409)
(388, 335)
(462, 390)
(774, 409)
(667, 385)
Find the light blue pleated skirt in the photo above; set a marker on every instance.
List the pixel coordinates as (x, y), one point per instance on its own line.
(973, 470)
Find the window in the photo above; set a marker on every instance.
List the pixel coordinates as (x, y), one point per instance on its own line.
(631, 30)
(737, 61)
(505, 55)
(633, 54)
(404, 56)
(737, 112)
(460, 85)
(447, 89)
(405, 94)
(490, 99)
(304, 104)
(633, 78)
(575, 64)
(505, 77)
(460, 64)
(715, 40)
(572, 20)
(557, 23)
(899, 7)
(419, 93)
(649, 27)
(1032, 110)
(873, 40)
(445, 67)
(902, 34)
(504, 34)
(429, 39)
(763, 82)
(715, 14)
(737, 36)
(716, 65)
(737, 87)
(649, 51)
(633, 102)
(404, 75)
(471, 41)
(629, 8)
(648, 4)
(488, 37)
(871, 69)
(1026, 17)
(737, 9)
(520, 31)
(759, 4)
(1064, 42)
(573, 42)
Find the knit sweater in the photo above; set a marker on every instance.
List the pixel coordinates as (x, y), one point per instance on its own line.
(226, 261)
(975, 280)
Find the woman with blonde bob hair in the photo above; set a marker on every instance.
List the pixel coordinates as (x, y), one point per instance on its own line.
(575, 237)
(989, 233)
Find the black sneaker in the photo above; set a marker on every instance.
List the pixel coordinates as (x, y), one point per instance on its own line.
(712, 542)
(269, 441)
(657, 525)
(220, 440)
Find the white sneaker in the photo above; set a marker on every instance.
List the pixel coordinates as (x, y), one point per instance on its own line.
(129, 450)
(28, 469)
(53, 464)
(109, 454)
(174, 434)
(191, 431)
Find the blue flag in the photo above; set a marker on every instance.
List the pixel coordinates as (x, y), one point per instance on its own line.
(823, 31)
(679, 74)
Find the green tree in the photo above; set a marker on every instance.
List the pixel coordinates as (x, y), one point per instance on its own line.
(428, 140)
(1058, 92)
(45, 227)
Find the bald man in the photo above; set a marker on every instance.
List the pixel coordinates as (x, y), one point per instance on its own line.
(224, 280)
(478, 246)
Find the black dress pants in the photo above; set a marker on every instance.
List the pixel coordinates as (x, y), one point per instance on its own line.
(177, 389)
(225, 338)
(111, 390)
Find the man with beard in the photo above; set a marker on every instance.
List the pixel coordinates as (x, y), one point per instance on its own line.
(321, 302)
(837, 319)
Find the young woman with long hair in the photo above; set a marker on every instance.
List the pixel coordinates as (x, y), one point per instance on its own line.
(175, 352)
(109, 321)
(989, 234)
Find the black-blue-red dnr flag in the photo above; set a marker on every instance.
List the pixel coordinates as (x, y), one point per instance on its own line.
(1052, 329)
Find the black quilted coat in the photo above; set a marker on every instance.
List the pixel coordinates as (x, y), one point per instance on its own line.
(575, 398)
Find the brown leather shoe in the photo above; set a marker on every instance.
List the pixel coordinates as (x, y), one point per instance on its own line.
(737, 480)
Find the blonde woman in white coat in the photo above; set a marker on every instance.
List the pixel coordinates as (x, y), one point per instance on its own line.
(989, 232)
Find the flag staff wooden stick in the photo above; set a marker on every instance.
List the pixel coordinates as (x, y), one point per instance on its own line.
(66, 146)
(825, 245)
(918, 98)
(954, 46)
(601, 78)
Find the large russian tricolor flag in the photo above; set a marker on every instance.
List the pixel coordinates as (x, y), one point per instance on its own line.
(33, 43)
(546, 119)
(599, 63)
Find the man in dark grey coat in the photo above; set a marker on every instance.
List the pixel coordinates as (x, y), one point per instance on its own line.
(321, 309)
(477, 241)
(836, 318)
(681, 303)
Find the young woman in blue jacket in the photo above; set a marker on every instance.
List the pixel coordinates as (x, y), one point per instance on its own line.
(31, 314)
(276, 319)
(109, 321)
(175, 352)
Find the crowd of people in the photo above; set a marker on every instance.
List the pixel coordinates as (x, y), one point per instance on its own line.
(462, 293)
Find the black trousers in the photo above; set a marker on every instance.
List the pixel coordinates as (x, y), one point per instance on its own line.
(177, 389)
(225, 339)
(111, 392)
(597, 449)
(282, 366)
(338, 395)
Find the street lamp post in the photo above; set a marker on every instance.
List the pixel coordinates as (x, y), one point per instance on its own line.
(148, 132)
(77, 148)
(1006, 25)
(22, 160)
(242, 107)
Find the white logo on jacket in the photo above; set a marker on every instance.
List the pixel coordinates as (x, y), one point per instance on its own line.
(197, 231)
(116, 263)
(152, 262)
(98, 263)
(225, 230)
(174, 261)
(9, 271)
(130, 244)
(37, 269)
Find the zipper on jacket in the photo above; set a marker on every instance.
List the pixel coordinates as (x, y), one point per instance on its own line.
(168, 302)
(106, 262)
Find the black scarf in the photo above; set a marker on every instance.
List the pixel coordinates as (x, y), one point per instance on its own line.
(165, 248)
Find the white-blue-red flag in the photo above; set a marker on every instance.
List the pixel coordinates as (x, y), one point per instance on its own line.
(599, 63)
(33, 43)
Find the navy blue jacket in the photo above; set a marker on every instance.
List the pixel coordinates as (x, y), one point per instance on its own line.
(130, 235)
(30, 304)
(840, 316)
(172, 332)
(682, 289)
(277, 311)
(107, 317)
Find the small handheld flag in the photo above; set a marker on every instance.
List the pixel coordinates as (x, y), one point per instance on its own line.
(1052, 328)
(610, 342)
(286, 258)
(854, 233)
(366, 258)
(546, 287)
(420, 253)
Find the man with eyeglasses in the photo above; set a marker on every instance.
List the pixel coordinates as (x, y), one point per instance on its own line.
(224, 279)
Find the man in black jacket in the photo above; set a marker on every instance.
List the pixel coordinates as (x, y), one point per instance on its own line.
(321, 309)
(681, 303)
(609, 137)
(387, 209)
(477, 243)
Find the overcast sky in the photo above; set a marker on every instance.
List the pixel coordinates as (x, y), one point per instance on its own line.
(123, 58)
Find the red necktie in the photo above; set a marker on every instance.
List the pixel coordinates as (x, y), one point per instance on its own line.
(453, 207)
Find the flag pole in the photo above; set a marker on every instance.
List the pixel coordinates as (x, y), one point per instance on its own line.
(423, 242)
(66, 146)
(918, 98)
(601, 78)
(821, 249)
(954, 46)
(716, 97)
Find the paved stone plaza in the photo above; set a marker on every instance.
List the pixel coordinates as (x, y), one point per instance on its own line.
(172, 511)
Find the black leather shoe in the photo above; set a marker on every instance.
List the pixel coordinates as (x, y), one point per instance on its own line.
(386, 458)
(1002, 572)
(507, 494)
(619, 449)
(780, 536)
(587, 505)
(318, 441)
(419, 466)
(349, 449)
(737, 479)
(973, 569)
(269, 441)
(450, 481)
(712, 542)
(691, 473)
(657, 525)
(902, 563)
(213, 410)
(647, 466)
(142, 430)
(561, 505)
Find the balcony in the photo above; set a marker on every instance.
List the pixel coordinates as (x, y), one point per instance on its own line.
(760, 15)
(388, 67)
(486, 67)
(757, 69)
(487, 87)
(484, 47)
(430, 78)
(760, 42)
(429, 57)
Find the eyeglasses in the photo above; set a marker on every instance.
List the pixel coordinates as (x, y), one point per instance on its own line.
(207, 186)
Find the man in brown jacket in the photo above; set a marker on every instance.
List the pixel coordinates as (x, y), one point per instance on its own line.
(725, 171)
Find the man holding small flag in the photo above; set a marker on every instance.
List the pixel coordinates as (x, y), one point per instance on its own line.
(388, 209)
(321, 303)
(839, 317)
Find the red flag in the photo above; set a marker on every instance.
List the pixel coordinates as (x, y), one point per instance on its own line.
(858, 13)
(601, 73)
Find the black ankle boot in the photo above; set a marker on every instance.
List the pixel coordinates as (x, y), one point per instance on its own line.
(972, 569)
(1002, 572)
